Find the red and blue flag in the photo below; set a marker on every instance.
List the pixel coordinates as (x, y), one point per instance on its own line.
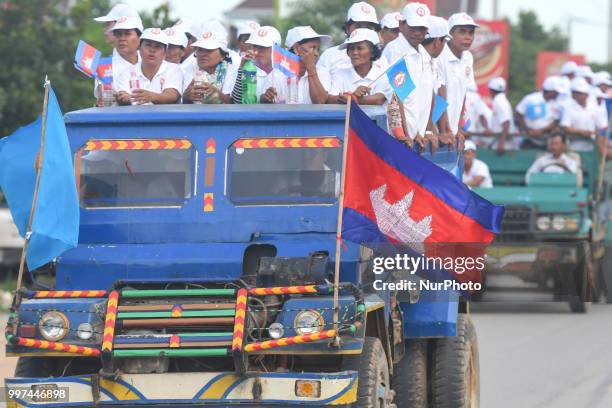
(285, 61)
(408, 200)
(400, 79)
(86, 58)
(104, 70)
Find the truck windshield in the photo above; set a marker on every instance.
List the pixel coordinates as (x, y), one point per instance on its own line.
(135, 175)
(284, 171)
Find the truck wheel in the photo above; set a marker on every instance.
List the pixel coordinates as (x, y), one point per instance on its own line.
(410, 376)
(606, 270)
(39, 367)
(456, 379)
(580, 281)
(374, 387)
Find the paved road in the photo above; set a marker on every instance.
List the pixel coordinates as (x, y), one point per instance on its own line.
(532, 355)
(538, 355)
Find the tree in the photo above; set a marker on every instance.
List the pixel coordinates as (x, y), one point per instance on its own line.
(527, 38)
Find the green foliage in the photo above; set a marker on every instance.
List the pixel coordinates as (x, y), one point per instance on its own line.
(159, 17)
(527, 38)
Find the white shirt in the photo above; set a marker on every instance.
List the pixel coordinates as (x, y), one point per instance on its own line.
(502, 112)
(228, 83)
(479, 168)
(332, 60)
(475, 107)
(576, 116)
(538, 112)
(303, 86)
(548, 164)
(119, 64)
(458, 74)
(168, 76)
(417, 106)
(347, 80)
(276, 79)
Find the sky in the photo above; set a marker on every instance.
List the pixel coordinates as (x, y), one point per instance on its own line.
(588, 17)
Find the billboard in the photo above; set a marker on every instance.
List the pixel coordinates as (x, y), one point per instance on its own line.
(490, 49)
(550, 63)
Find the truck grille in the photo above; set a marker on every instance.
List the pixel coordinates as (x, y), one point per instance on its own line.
(517, 224)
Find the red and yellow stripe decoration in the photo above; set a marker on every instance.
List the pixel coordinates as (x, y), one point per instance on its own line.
(65, 294)
(211, 146)
(50, 345)
(286, 142)
(109, 323)
(289, 341)
(283, 290)
(139, 144)
(175, 341)
(241, 305)
(209, 202)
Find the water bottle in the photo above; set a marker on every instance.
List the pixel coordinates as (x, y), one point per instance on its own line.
(292, 89)
(108, 95)
(249, 83)
(134, 83)
(199, 79)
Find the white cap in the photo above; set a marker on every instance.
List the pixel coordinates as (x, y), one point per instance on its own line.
(265, 36)
(154, 34)
(176, 36)
(602, 78)
(214, 36)
(552, 84)
(188, 26)
(569, 67)
(359, 35)
(416, 14)
(128, 23)
(297, 34)
(580, 84)
(469, 145)
(391, 20)
(246, 27)
(461, 19)
(362, 11)
(438, 28)
(598, 93)
(584, 71)
(117, 12)
(497, 84)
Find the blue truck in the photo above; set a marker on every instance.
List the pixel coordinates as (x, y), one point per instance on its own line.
(204, 276)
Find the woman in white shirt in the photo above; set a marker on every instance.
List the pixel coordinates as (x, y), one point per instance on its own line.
(364, 80)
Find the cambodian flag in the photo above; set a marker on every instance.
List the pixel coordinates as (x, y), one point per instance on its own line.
(400, 79)
(287, 62)
(408, 200)
(86, 58)
(104, 70)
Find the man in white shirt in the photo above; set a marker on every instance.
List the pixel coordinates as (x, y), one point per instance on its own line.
(154, 80)
(475, 172)
(555, 161)
(478, 113)
(417, 106)
(538, 113)
(502, 123)
(457, 66)
(359, 15)
(578, 120)
(389, 27)
(312, 86)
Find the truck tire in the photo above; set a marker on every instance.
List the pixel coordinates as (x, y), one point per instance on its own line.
(606, 269)
(579, 281)
(455, 375)
(410, 376)
(374, 386)
(39, 367)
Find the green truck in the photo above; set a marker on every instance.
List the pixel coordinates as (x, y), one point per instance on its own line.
(555, 230)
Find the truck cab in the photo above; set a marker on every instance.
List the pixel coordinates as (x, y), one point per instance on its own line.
(204, 270)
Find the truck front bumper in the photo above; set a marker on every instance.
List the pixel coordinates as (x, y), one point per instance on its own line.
(221, 389)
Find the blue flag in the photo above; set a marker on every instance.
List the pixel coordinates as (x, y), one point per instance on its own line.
(400, 80)
(439, 107)
(55, 227)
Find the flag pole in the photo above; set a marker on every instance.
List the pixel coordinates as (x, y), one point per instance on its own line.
(339, 225)
(38, 166)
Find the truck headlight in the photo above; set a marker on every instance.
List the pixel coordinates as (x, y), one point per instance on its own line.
(85, 331)
(543, 223)
(276, 330)
(558, 223)
(53, 326)
(308, 322)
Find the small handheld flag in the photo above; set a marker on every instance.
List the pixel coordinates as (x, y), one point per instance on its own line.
(439, 107)
(86, 58)
(104, 70)
(400, 80)
(285, 61)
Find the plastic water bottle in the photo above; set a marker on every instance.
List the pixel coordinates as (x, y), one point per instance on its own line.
(134, 83)
(249, 83)
(292, 89)
(108, 95)
(199, 79)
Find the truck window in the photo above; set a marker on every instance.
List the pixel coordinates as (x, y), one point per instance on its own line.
(135, 173)
(284, 171)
